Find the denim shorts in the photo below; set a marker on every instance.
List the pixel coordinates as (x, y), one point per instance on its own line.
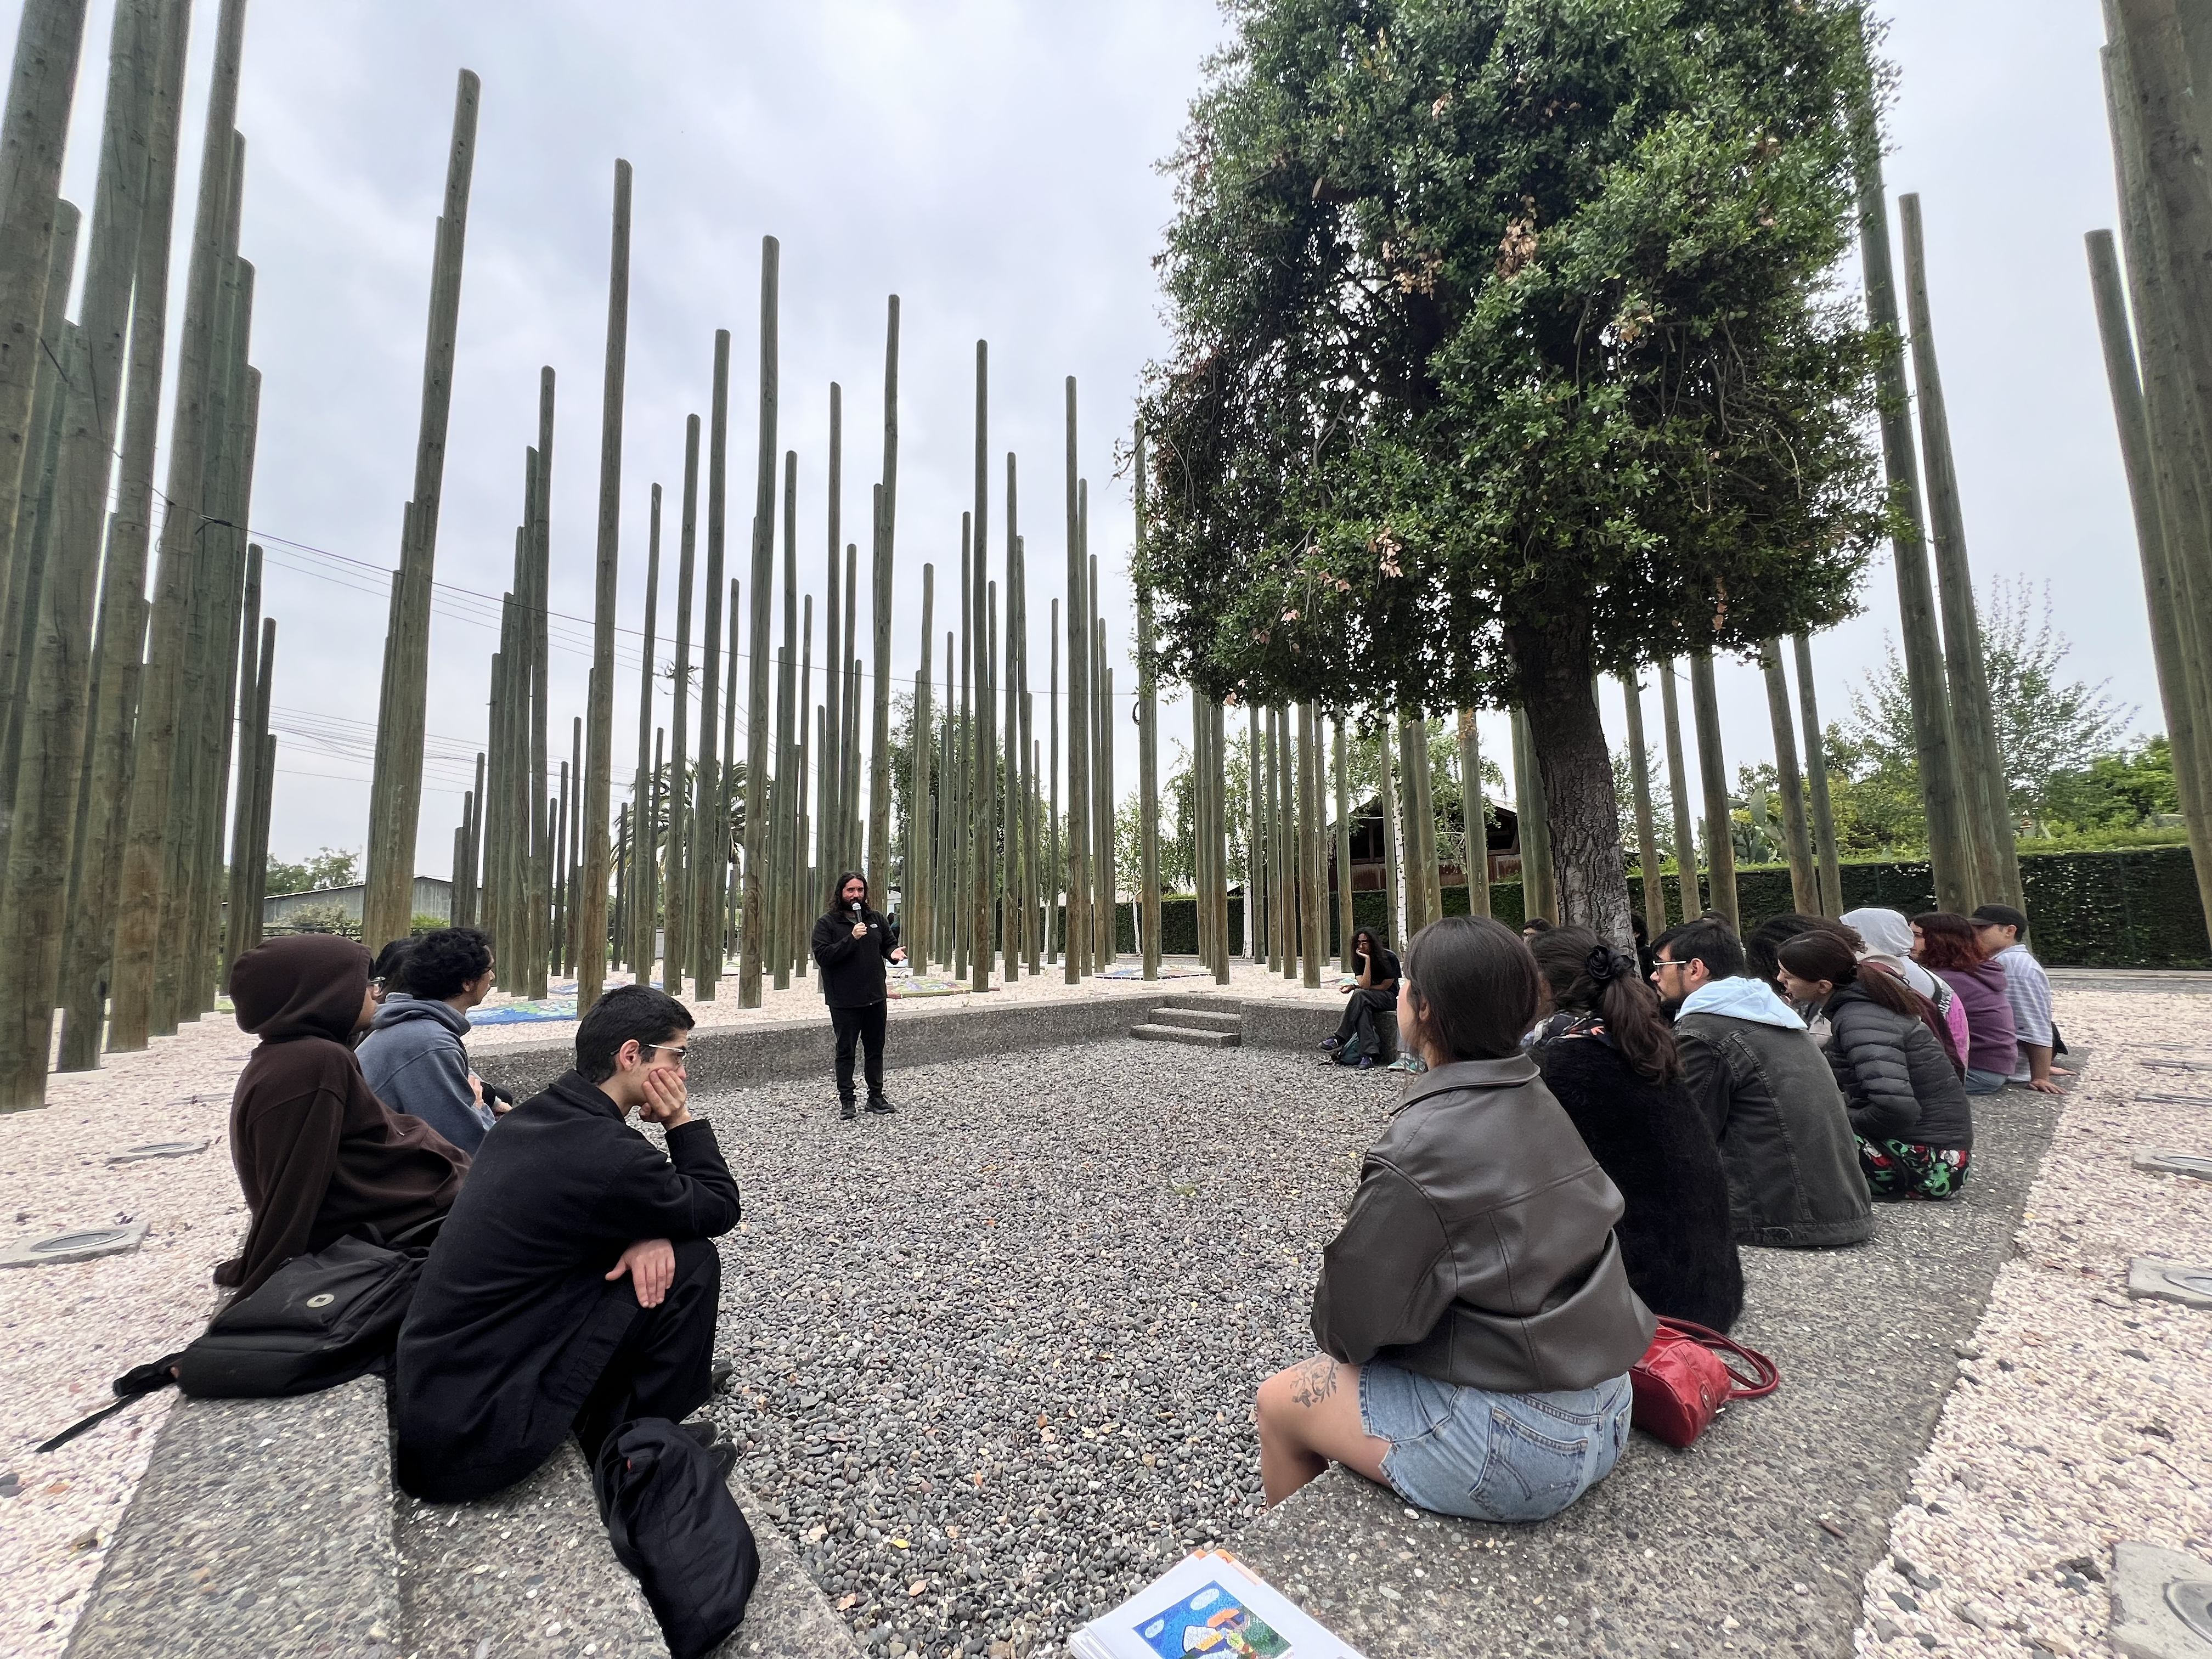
(1466, 1451)
(1984, 1082)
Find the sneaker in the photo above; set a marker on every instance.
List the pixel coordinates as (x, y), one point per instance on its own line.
(703, 1430)
(1330, 1045)
(719, 1378)
(725, 1458)
(848, 1111)
(878, 1104)
(1366, 1063)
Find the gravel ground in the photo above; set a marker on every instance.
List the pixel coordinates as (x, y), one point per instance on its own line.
(996, 1354)
(2080, 1419)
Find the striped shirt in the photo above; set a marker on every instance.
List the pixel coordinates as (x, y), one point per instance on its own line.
(2027, 987)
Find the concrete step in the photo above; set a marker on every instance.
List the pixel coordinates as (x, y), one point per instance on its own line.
(1203, 1039)
(1194, 1019)
(1202, 1002)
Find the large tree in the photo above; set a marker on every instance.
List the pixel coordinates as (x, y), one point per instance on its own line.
(1507, 352)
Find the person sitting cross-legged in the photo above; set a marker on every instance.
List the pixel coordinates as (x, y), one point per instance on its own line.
(1374, 991)
(576, 1283)
(1473, 1315)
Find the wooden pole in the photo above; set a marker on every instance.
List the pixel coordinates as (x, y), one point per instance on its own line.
(783, 808)
(1283, 766)
(538, 883)
(982, 766)
(710, 827)
(1539, 892)
(1055, 924)
(1314, 916)
(1012, 908)
(158, 737)
(1720, 834)
(1474, 817)
(1217, 744)
(725, 807)
(835, 648)
(1816, 784)
(1988, 806)
(1804, 874)
(683, 863)
(885, 520)
(1346, 923)
(1647, 831)
(639, 945)
(1948, 848)
(34, 134)
(241, 816)
(396, 793)
(1394, 914)
(1079, 723)
(802, 882)
(753, 940)
(921, 793)
(599, 755)
(1678, 789)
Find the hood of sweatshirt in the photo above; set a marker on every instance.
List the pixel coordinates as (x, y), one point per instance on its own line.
(1741, 998)
(399, 1009)
(300, 985)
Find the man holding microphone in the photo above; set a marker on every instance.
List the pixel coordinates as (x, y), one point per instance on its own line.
(852, 943)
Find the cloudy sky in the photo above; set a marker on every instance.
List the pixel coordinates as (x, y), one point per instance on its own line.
(992, 163)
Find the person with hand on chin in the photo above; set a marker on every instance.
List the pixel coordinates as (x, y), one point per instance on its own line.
(576, 1284)
(851, 945)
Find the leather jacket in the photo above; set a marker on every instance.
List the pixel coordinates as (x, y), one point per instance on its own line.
(1478, 1249)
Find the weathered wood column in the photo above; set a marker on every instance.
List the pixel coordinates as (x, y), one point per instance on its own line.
(885, 519)
(1816, 787)
(1720, 823)
(1678, 792)
(598, 755)
(1346, 923)
(682, 861)
(753, 911)
(710, 823)
(644, 819)
(396, 793)
(1078, 727)
(1474, 815)
(1804, 874)
(1647, 833)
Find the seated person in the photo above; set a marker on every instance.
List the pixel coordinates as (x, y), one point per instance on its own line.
(1909, 1108)
(1375, 991)
(319, 1155)
(1765, 1091)
(576, 1283)
(1609, 1059)
(1947, 946)
(2002, 931)
(1887, 939)
(1474, 1318)
(412, 1055)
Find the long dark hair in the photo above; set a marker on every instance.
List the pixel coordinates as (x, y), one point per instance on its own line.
(1589, 976)
(1474, 986)
(1374, 947)
(1823, 955)
(837, 893)
(1763, 945)
(1947, 939)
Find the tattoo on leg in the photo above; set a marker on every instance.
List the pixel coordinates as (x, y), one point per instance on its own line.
(1317, 1381)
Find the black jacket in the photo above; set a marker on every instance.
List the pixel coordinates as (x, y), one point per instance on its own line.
(1895, 1076)
(853, 969)
(514, 1320)
(1675, 1238)
(1785, 1140)
(1478, 1249)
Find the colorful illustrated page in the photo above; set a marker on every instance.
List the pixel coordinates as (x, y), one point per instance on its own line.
(1213, 1622)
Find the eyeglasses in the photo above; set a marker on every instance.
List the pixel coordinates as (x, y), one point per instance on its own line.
(1663, 962)
(681, 1053)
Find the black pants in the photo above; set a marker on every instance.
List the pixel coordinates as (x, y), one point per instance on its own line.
(865, 1026)
(663, 1365)
(1360, 1007)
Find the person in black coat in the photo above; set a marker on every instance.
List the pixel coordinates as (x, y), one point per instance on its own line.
(1606, 1052)
(1909, 1108)
(1374, 991)
(852, 943)
(576, 1283)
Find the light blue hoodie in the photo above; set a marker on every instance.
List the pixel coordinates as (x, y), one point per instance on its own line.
(1741, 998)
(414, 1060)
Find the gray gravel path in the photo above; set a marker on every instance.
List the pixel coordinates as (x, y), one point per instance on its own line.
(996, 1354)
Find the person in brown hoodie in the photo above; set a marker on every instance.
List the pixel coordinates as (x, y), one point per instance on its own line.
(318, 1154)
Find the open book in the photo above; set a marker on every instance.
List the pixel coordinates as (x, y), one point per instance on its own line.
(1210, 1605)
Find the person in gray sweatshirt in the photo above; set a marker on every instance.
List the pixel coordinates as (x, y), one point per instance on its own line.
(412, 1056)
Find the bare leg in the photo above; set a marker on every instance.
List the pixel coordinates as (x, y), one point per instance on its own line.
(1308, 1416)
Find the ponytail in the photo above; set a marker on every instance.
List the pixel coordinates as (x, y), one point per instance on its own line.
(1825, 955)
(1587, 974)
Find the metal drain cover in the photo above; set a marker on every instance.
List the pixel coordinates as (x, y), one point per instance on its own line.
(80, 1245)
(157, 1149)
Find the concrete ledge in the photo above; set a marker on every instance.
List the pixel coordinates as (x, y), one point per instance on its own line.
(263, 1527)
(1688, 1551)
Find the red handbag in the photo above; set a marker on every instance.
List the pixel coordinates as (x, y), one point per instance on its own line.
(1684, 1380)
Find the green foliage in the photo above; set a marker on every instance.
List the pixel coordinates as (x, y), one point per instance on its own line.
(424, 922)
(323, 919)
(2124, 792)
(1506, 348)
(330, 867)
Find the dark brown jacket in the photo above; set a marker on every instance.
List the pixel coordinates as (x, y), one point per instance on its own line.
(1479, 1248)
(318, 1154)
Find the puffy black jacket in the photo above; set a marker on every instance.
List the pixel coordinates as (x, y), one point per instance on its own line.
(1895, 1076)
(853, 969)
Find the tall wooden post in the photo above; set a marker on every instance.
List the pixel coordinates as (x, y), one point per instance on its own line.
(1019, 910)
(982, 767)
(835, 648)
(753, 924)
(157, 736)
(682, 904)
(34, 134)
(885, 520)
(598, 755)
(539, 881)
(1055, 924)
(1720, 823)
(249, 757)
(643, 818)
(1475, 817)
(1804, 875)
(1313, 923)
(710, 828)
(921, 793)
(1948, 848)
(1678, 790)
(1078, 727)
(725, 807)
(1647, 832)
(1216, 895)
(1988, 806)
(1816, 787)
(1346, 924)
(1283, 769)
(396, 793)
(784, 808)
(1539, 894)
(1398, 922)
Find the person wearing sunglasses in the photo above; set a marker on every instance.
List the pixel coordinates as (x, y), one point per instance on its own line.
(576, 1283)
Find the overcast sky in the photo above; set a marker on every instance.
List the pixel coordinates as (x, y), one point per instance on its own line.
(992, 164)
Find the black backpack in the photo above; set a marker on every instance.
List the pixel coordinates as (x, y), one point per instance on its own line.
(672, 1523)
(317, 1321)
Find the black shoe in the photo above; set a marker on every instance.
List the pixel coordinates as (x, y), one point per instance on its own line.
(848, 1111)
(703, 1430)
(1330, 1045)
(725, 1456)
(878, 1104)
(719, 1378)
(1367, 1062)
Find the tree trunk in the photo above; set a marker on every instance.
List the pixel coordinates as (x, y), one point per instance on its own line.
(1575, 778)
(1647, 833)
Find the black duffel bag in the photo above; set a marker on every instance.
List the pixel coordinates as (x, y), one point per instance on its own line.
(317, 1321)
(672, 1523)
